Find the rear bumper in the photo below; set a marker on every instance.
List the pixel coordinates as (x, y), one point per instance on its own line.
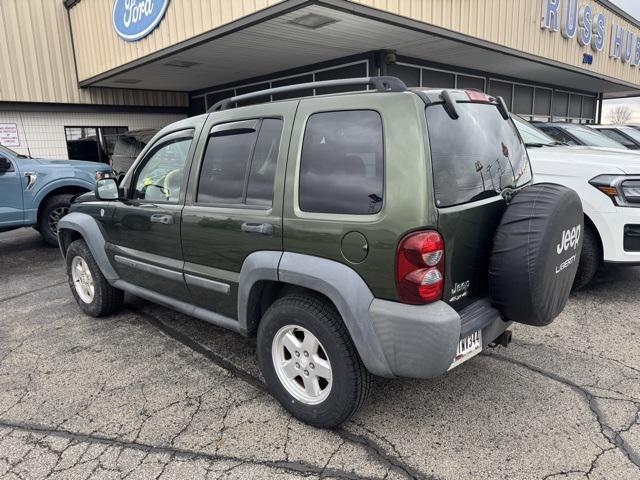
(420, 341)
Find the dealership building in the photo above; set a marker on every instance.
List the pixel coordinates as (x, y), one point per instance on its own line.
(84, 71)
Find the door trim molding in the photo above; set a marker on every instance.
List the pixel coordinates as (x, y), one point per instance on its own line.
(195, 281)
(146, 267)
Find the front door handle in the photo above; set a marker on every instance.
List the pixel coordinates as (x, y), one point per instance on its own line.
(262, 228)
(163, 219)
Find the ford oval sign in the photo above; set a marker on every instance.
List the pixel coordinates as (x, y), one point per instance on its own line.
(135, 19)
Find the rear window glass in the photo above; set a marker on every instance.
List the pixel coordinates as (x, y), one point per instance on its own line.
(342, 163)
(475, 156)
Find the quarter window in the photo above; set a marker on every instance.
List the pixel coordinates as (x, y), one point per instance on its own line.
(160, 178)
(240, 162)
(342, 163)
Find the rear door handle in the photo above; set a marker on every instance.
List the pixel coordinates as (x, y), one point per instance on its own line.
(163, 219)
(262, 228)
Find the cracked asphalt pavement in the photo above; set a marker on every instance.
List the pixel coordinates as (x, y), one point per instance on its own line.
(150, 393)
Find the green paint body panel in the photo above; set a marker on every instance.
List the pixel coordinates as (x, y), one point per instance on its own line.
(208, 241)
(407, 200)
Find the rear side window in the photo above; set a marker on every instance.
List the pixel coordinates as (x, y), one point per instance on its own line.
(240, 162)
(342, 163)
(475, 156)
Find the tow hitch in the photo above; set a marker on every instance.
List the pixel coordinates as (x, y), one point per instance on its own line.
(503, 340)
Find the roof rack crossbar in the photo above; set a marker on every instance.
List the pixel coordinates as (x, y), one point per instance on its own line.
(381, 84)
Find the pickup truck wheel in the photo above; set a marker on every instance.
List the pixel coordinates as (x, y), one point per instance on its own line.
(50, 214)
(589, 259)
(309, 362)
(95, 296)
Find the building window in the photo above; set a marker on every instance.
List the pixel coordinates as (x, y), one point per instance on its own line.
(409, 75)
(560, 104)
(349, 70)
(466, 82)
(94, 144)
(523, 100)
(438, 79)
(589, 108)
(341, 166)
(542, 105)
(502, 89)
(575, 106)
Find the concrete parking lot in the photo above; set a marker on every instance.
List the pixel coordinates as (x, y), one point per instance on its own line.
(150, 393)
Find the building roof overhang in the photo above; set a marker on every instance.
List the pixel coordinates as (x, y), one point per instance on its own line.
(270, 41)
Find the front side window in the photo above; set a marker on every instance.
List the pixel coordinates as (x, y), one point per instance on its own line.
(239, 164)
(162, 172)
(475, 156)
(558, 135)
(342, 163)
(591, 137)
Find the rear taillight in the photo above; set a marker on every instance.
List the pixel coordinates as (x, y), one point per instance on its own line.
(420, 267)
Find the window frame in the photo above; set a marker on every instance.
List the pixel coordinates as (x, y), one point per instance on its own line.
(185, 134)
(343, 217)
(240, 206)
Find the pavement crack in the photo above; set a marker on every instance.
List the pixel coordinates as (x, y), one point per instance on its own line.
(199, 348)
(611, 435)
(370, 445)
(35, 290)
(293, 467)
(378, 452)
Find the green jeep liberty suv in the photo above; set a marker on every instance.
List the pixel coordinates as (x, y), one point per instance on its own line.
(390, 231)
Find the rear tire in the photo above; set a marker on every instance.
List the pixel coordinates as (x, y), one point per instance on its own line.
(95, 296)
(50, 213)
(590, 259)
(286, 329)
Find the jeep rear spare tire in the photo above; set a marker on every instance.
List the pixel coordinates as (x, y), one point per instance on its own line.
(536, 252)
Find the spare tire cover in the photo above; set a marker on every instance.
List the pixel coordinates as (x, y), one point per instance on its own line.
(535, 255)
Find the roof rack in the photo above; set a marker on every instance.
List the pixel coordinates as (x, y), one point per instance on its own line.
(381, 84)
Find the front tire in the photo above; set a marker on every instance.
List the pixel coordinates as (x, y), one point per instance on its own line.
(309, 362)
(590, 259)
(95, 296)
(50, 214)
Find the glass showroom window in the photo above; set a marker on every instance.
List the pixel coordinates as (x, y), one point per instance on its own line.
(94, 144)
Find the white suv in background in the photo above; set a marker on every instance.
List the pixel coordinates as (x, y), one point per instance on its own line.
(608, 182)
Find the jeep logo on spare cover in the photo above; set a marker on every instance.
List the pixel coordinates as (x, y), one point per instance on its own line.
(570, 239)
(135, 19)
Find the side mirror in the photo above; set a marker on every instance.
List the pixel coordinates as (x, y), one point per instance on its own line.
(107, 189)
(5, 164)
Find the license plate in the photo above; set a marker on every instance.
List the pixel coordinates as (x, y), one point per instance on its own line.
(468, 347)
